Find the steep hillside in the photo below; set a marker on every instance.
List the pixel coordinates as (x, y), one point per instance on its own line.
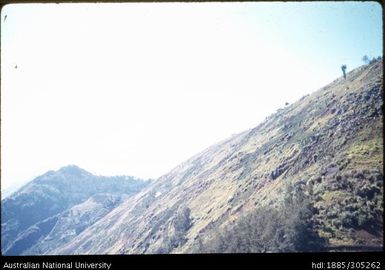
(330, 143)
(319, 159)
(35, 209)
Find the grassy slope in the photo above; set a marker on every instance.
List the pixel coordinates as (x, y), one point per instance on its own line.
(331, 141)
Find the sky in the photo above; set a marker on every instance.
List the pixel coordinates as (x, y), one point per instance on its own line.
(138, 88)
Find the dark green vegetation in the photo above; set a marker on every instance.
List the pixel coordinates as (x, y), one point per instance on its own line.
(287, 228)
(180, 224)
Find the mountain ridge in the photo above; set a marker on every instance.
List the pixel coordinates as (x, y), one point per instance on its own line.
(309, 176)
(329, 141)
(48, 195)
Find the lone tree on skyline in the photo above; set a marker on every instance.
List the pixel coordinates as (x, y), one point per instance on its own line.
(343, 67)
(365, 59)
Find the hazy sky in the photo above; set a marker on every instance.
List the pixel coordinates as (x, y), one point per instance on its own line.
(138, 88)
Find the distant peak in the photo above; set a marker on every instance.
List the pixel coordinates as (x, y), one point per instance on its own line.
(72, 169)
